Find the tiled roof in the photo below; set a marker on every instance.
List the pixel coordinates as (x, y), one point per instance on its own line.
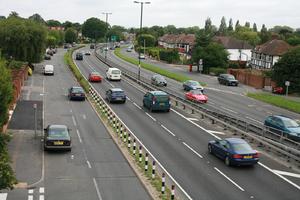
(178, 39)
(232, 43)
(273, 47)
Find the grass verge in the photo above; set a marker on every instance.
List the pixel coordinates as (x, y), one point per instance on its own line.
(279, 101)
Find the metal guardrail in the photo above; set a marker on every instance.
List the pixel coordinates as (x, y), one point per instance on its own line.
(278, 142)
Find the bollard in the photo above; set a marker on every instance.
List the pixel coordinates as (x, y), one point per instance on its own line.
(173, 192)
(163, 181)
(134, 146)
(193, 111)
(117, 128)
(129, 138)
(183, 107)
(176, 103)
(121, 132)
(146, 162)
(153, 169)
(114, 121)
(125, 136)
(202, 116)
(140, 154)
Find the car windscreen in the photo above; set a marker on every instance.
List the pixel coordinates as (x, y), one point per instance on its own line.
(58, 133)
(198, 92)
(77, 90)
(230, 78)
(95, 74)
(241, 147)
(115, 72)
(194, 83)
(290, 123)
(160, 78)
(118, 93)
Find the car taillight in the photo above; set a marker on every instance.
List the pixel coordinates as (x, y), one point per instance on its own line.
(153, 100)
(238, 156)
(256, 155)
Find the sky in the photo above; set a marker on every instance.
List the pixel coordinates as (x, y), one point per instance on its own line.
(181, 13)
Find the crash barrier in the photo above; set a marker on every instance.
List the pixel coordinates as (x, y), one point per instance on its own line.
(263, 136)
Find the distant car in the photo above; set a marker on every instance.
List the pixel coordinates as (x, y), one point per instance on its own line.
(228, 79)
(50, 52)
(157, 100)
(76, 93)
(281, 124)
(87, 53)
(234, 151)
(112, 48)
(105, 48)
(278, 90)
(57, 137)
(79, 56)
(49, 70)
(158, 80)
(141, 56)
(113, 73)
(95, 77)
(192, 85)
(129, 49)
(47, 57)
(196, 96)
(115, 95)
(92, 46)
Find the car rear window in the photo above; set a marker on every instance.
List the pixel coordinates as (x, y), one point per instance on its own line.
(115, 72)
(118, 92)
(78, 90)
(241, 147)
(58, 133)
(162, 98)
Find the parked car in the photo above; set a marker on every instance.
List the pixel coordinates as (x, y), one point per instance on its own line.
(278, 90)
(113, 74)
(92, 46)
(129, 49)
(112, 48)
(48, 70)
(283, 125)
(157, 100)
(79, 56)
(87, 53)
(196, 96)
(158, 80)
(47, 57)
(76, 93)
(192, 85)
(141, 56)
(57, 137)
(95, 77)
(49, 52)
(234, 151)
(228, 79)
(115, 95)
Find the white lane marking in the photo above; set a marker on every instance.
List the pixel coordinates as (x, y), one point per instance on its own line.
(84, 116)
(168, 130)
(193, 119)
(42, 197)
(30, 197)
(97, 189)
(72, 157)
(137, 106)
(234, 183)
(224, 108)
(216, 132)
(78, 134)
(109, 83)
(287, 173)
(195, 152)
(280, 176)
(3, 196)
(71, 111)
(254, 120)
(217, 137)
(150, 116)
(30, 191)
(74, 121)
(127, 98)
(42, 190)
(89, 164)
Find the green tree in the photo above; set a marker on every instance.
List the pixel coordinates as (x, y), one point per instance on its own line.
(203, 38)
(254, 28)
(170, 29)
(58, 35)
(37, 18)
(150, 40)
(247, 24)
(264, 34)
(53, 23)
(2, 17)
(245, 33)
(237, 25)
(94, 28)
(13, 14)
(288, 69)
(70, 35)
(294, 41)
(223, 27)
(230, 26)
(208, 25)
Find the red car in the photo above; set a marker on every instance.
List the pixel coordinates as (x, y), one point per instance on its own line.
(196, 95)
(95, 77)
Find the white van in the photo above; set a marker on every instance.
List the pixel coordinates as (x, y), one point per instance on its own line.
(113, 74)
(49, 69)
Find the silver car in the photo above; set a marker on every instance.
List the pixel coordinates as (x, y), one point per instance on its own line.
(158, 80)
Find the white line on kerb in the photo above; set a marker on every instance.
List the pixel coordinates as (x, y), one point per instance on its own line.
(137, 106)
(97, 189)
(229, 110)
(234, 183)
(150, 116)
(79, 137)
(3, 196)
(30, 197)
(195, 152)
(280, 176)
(167, 130)
(74, 121)
(254, 120)
(42, 197)
(286, 173)
(89, 164)
(42, 190)
(30, 191)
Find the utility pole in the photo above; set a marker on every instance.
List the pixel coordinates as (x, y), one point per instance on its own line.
(106, 39)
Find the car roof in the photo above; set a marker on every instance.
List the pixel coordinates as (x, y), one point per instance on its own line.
(114, 68)
(191, 81)
(281, 117)
(116, 90)
(158, 93)
(235, 140)
(76, 87)
(95, 73)
(53, 126)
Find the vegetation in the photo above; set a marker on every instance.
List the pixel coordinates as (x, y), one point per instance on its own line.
(217, 71)
(146, 40)
(169, 55)
(94, 28)
(70, 35)
(279, 101)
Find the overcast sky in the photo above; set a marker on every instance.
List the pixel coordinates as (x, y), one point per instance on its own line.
(181, 13)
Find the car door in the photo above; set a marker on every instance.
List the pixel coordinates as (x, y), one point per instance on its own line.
(146, 100)
(108, 95)
(221, 149)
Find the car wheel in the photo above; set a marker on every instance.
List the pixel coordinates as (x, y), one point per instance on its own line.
(227, 161)
(209, 149)
(144, 105)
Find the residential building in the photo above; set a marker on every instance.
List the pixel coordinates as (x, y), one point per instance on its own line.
(266, 55)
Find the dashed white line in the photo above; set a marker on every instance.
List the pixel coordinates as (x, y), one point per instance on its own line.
(30, 197)
(168, 130)
(195, 152)
(97, 189)
(89, 164)
(3, 196)
(42, 197)
(128, 98)
(30, 191)
(193, 119)
(84, 116)
(150, 116)
(216, 132)
(229, 110)
(137, 106)
(74, 121)
(254, 120)
(234, 183)
(286, 173)
(78, 134)
(42, 190)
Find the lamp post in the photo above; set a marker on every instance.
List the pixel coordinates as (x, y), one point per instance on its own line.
(141, 26)
(106, 39)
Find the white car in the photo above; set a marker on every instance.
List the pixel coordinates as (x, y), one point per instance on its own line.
(49, 70)
(141, 56)
(113, 74)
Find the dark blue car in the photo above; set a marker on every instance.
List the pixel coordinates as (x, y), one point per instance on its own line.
(76, 93)
(192, 85)
(234, 151)
(115, 95)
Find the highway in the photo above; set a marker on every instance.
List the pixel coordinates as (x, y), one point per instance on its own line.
(180, 144)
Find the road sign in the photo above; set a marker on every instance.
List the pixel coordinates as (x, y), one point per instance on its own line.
(113, 38)
(287, 83)
(200, 62)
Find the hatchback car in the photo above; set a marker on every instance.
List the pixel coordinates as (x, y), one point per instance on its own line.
(79, 56)
(92, 46)
(196, 96)
(57, 137)
(95, 77)
(234, 151)
(192, 85)
(141, 56)
(228, 79)
(76, 93)
(158, 80)
(281, 124)
(115, 95)
(87, 53)
(157, 100)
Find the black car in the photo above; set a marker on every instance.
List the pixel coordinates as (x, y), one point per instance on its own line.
(47, 57)
(228, 79)
(57, 137)
(158, 80)
(79, 56)
(115, 95)
(92, 46)
(76, 93)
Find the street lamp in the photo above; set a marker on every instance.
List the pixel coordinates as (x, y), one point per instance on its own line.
(106, 39)
(141, 26)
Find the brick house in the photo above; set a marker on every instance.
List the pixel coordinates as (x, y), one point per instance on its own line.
(266, 55)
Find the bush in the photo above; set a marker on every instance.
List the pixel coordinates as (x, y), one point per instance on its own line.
(217, 71)
(170, 56)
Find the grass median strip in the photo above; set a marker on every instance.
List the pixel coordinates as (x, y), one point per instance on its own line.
(279, 101)
(153, 68)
